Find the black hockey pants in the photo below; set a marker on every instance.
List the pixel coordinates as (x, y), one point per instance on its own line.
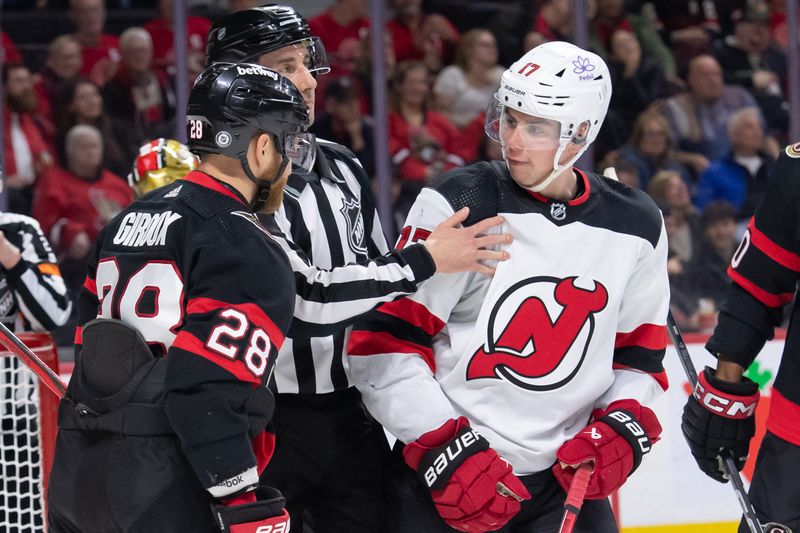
(329, 463)
(775, 490)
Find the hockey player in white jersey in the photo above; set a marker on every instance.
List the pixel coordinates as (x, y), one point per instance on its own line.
(498, 388)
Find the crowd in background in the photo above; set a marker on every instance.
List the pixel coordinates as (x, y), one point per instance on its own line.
(697, 117)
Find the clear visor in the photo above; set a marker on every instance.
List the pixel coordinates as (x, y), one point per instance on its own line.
(315, 57)
(515, 130)
(301, 149)
(312, 53)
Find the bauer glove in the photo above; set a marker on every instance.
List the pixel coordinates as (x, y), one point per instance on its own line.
(615, 442)
(472, 487)
(243, 514)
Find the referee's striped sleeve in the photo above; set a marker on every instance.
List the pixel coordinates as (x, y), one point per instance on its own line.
(328, 300)
(39, 289)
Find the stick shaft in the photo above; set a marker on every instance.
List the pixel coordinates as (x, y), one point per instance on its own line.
(727, 459)
(46, 374)
(574, 500)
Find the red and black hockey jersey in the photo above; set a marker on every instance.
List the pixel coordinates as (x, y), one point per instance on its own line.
(765, 271)
(572, 322)
(191, 268)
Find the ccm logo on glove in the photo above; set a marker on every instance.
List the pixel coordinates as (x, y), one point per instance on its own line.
(454, 450)
(730, 406)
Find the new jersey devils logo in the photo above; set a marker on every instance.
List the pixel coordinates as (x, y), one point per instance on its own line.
(531, 349)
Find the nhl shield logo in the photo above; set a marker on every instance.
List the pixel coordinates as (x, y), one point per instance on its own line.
(558, 211)
(356, 233)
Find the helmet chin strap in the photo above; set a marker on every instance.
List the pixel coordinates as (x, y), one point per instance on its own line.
(262, 186)
(557, 169)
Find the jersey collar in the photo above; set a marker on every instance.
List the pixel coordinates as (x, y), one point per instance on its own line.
(581, 198)
(210, 182)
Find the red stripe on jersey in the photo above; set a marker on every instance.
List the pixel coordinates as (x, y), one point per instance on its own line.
(774, 251)
(204, 180)
(78, 335)
(766, 298)
(648, 336)
(587, 189)
(660, 377)
(365, 343)
(783, 417)
(188, 342)
(415, 314)
(90, 285)
(253, 313)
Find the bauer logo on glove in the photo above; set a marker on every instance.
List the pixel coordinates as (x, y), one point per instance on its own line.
(449, 454)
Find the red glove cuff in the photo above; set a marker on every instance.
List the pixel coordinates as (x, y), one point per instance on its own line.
(734, 404)
(414, 451)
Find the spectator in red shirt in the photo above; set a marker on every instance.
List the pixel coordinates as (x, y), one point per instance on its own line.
(26, 153)
(422, 143)
(160, 30)
(431, 39)
(100, 50)
(342, 29)
(74, 203)
(52, 83)
(9, 50)
(138, 94)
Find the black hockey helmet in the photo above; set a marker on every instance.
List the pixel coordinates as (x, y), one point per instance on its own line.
(231, 103)
(244, 35)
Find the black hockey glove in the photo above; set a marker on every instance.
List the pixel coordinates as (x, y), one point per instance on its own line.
(263, 516)
(719, 416)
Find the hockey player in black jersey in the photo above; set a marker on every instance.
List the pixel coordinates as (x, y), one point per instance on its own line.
(720, 415)
(329, 455)
(186, 302)
(499, 388)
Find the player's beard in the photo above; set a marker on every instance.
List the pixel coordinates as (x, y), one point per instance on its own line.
(275, 198)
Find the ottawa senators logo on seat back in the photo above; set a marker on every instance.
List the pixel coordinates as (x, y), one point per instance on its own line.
(526, 346)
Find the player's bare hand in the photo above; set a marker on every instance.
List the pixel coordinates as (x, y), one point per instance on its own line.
(457, 249)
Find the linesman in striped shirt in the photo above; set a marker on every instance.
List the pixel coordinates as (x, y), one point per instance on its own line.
(33, 295)
(330, 452)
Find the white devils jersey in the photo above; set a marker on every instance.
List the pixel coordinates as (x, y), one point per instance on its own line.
(572, 322)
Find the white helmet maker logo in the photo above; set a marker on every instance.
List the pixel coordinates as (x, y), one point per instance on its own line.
(558, 211)
(526, 346)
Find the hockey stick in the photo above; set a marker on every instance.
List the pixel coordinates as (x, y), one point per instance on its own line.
(574, 501)
(12, 343)
(728, 464)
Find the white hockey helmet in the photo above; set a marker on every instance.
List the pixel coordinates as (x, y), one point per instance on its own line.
(556, 81)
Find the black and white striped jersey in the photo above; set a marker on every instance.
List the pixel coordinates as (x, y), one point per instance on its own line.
(33, 295)
(342, 268)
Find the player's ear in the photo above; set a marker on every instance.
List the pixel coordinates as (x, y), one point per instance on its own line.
(262, 149)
